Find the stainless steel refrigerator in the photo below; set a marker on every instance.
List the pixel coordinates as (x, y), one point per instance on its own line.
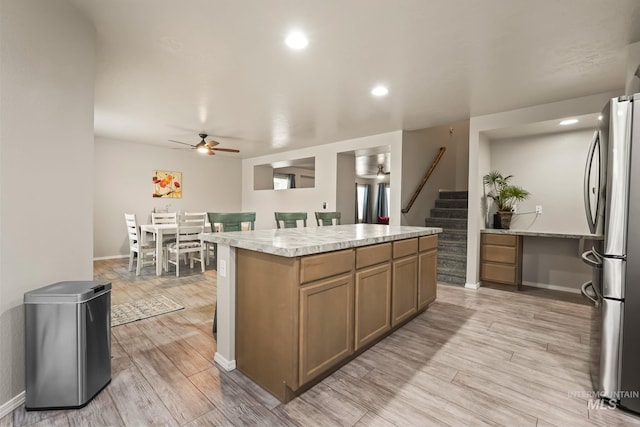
(612, 202)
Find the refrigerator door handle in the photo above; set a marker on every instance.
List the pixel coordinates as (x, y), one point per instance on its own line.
(591, 258)
(591, 296)
(592, 212)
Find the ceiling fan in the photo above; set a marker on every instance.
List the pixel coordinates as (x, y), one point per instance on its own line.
(381, 173)
(207, 147)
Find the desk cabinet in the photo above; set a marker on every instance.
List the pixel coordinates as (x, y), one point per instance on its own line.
(501, 259)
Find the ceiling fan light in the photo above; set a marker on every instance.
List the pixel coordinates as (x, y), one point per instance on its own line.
(202, 148)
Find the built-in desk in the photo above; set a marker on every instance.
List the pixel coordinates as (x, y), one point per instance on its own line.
(501, 253)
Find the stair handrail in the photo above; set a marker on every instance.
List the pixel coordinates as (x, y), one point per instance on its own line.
(424, 180)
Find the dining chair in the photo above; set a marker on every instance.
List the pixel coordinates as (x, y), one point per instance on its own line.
(136, 247)
(187, 242)
(229, 221)
(326, 218)
(290, 219)
(209, 248)
(164, 218)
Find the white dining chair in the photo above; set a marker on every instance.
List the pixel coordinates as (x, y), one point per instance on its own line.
(164, 218)
(136, 248)
(209, 248)
(187, 242)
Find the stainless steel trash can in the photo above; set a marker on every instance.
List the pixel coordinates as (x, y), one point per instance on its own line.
(67, 344)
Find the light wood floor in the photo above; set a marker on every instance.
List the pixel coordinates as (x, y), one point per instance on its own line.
(486, 357)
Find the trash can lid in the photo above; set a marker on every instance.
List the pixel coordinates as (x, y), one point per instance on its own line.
(67, 292)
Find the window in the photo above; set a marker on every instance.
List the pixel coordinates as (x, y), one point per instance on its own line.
(280, 182)
(361, 193)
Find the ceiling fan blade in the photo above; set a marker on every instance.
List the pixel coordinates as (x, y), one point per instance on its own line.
(228, 150)
(183, 143)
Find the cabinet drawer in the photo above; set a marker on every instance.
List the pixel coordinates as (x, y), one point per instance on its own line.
(405, 247)
(504, 254)
(500, 239)
(314, 267)
(428, 242)
(498, 273)
(372, 255)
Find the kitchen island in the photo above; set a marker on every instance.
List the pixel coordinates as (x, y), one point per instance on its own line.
(295, 304)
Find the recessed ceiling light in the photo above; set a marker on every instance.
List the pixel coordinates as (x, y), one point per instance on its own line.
(296, 40)
(379, 91)
(600, 117)
(568, 122)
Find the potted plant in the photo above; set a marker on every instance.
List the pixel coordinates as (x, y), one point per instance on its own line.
(505, 197)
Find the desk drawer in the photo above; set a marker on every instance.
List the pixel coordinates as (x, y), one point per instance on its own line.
(314, 267)
(372, 255)
(499, 273)
(504, 254)
(500, 239)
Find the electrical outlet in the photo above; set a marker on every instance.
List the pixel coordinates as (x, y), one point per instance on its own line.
(223, 268)
(538, 209)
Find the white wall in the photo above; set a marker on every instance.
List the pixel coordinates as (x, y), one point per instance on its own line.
(551, 168)
(46, 164)
(309, 200)
(123, 174)
(479, 164)
(419, 149)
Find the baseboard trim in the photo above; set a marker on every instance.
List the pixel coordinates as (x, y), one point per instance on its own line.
(551, 287)
(227, 365)
(101, 258)
(472, 285)
(8, 407)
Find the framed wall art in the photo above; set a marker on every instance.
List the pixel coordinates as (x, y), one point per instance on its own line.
(167, 184)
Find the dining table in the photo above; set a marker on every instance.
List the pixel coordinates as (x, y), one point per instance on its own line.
(159, 231)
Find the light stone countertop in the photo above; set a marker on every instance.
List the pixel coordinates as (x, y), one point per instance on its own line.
(293, 242)
(515, 232)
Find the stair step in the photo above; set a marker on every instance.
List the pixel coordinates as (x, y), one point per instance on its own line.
(446, 223)
(451, 280)
(455, 245)
(452, 256)
(449, 213)
(450, 234)
(452, 203)
(453, 194)
(453, 272)
(452, 264)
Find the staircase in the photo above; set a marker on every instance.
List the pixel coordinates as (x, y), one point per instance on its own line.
(450, 213)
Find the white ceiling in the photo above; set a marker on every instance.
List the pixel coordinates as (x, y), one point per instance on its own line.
(169, 69)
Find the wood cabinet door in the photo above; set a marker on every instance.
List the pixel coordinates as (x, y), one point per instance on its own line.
(326, 325)
(427, 277)
(404, 289)
(373, 303)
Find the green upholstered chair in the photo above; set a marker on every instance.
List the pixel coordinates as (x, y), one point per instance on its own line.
(326, 218)
(231, 221)
(290, 219)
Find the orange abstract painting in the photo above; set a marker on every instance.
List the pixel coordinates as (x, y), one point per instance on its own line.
(167, 184)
